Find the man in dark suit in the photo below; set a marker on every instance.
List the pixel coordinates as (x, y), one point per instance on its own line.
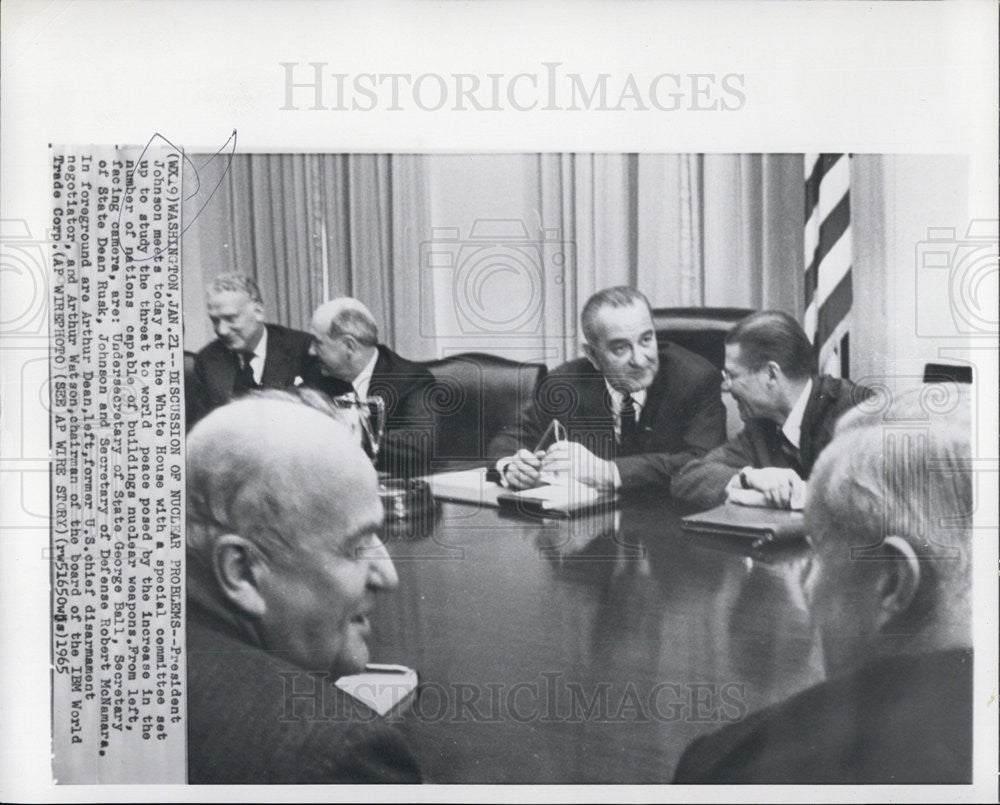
(352, 362)
(247, 353)
(284, 566)
(633, 414)
(788, 413)
(888, 585)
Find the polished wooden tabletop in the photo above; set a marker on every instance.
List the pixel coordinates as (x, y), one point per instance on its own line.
(590, 650)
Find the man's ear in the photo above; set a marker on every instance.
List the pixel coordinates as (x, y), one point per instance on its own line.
(774, 372)
(239, 569)
(258, 308)
(898, 579)
(589, 352)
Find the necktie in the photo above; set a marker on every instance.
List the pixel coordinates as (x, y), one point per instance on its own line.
(790, 452)
(627, 420)
(243, 382)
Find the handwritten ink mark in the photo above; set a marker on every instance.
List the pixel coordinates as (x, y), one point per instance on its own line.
(129, 185)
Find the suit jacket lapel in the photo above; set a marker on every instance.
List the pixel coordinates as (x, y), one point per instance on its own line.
(656, 396)
(277, 358)
(222, 376)
(812, 418)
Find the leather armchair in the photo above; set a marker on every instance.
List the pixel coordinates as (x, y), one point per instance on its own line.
(703, 332)
(699, 329)
(473, 397)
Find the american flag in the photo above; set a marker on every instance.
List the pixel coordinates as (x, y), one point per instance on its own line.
(828, 260)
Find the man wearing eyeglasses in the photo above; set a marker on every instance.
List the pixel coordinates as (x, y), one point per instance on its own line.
(788, 411)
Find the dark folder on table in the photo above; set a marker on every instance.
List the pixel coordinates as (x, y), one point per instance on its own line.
(757, 530)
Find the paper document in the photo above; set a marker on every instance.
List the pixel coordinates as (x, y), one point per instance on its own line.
(467, 486)
(562, 496)
(753, 497)
(381, 687)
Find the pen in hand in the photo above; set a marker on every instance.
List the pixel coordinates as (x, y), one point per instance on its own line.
(554, 432)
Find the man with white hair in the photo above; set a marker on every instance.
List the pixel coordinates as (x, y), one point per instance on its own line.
(247, 353)
(888, 583)
(353, 362)
(284, 566)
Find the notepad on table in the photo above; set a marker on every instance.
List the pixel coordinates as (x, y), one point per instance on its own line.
(562, 498)
(465, 486)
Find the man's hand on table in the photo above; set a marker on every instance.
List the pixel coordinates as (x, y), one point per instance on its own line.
(522, 470)
(780, 487)
(575, 461)
(525, 469)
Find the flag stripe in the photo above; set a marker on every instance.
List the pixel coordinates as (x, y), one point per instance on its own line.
(836, 184)
(809, 320)
(833, 310)
(823, 164)
(831, 233)
(827, 258)
(833, 267)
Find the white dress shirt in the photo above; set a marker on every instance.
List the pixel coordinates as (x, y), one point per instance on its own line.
(258, 358)
(793, 422)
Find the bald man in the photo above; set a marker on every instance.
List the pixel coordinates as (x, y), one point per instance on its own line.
(284, 569)
(352, 361)
(889, 587)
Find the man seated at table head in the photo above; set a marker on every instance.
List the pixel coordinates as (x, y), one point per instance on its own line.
(888, 584)
(634, 412)
(284, 566)
(247, 353)
(353, 362)
(788, 413)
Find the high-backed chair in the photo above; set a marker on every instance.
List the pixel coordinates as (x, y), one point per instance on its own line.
(473, 397)
(703, 331)
(193, 394)
(699, 329)
(947, 373)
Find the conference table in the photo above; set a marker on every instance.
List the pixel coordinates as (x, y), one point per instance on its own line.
(583, 650)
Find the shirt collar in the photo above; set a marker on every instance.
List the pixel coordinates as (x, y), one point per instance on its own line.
(793, 423)
(260, 351)
(638, 398)
(258, 357)
(364, 378)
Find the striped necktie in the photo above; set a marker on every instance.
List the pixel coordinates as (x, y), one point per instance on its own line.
(627, 420)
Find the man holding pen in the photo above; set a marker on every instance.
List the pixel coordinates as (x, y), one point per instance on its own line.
(633, 413)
